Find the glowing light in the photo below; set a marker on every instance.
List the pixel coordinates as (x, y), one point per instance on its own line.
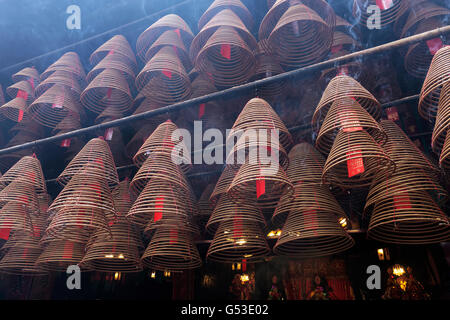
(117, 276)
(403, 285)
(241, 242)
(120, 256)
(380, 254)
(109, 256)
(167, 274)
(274, 233)
(398, 270)
(247, 255)
(238, 266)
(153, 275)
(343, 222)
(244, 278)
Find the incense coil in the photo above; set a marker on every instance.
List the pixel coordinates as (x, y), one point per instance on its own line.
(21, 89)
(68, 124)
(342, 87)
(28, 74)
(258, 114)
(116, 63)
(408, 218)
(139, 138)
(27, 126)
(62, 78)
(312, 233)
(2, 97)
(15, 216)
(238, 240)
(168, 22)
(205, 208)
(185, 223)
(15, 109)
(234, 5)
(159, 199)
(228, 210)
(21, 261)
(53, 106)
(404, 152)
(438, 74)
(161, 141)
(444, 159)
(109, 114)
(227, 57)
(442, 119)
(20, 193)
(123, 197)
(305, 164)
(160, 165)
(109, 88)
(171, 250)
(116, 46)
(347, 115)
(301, 37)
(421, 10)
(222, 185)
(170, 38)
(253, 173)
(95, 155)
(354, 159)
(388, 15)
(272, 17)
(58, 255)
(69, 62)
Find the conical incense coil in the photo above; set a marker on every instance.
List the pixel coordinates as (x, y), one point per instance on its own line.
(261, 182)
(272, 17)
(62, 78)
(258, 114)
(20, 193)
(15, 109)
(117, 46)
(160, 165)
(404, 152)
(205, 207)
(69, 123)
(347, 115)
(2, 97)
(109, 114)
(15, 216)
(21, 261)
(69, 62)
(171, 250)
(107, 89)
(123, 197)
(438, 74)
(344, 87)
(390, 11)
(54, 105)
(22, 89)
(27, 126)
(238, 240)
(179, 222)
(139, 138)
(170, 38)
(28, 171)
(161, 141)
(60, 254)
(116, 63)
(420, 11)
(311, 233)
(227, 58)
(97, 155)
(444, 159)
(234, 5)
(354, 159)
(222, 185)
(228, 210)
(28, 74)
(301, 37)
(305, 164)
(159, 199)
(403, 180)
(308, 196)
(168, 22)
(442, 123)
(408, 218)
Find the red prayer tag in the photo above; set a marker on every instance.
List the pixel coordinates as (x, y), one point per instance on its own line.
(337, 48)
(159, 205)
(31, 81)
(36, 231)
(109, 134)
(167, 73)
(20, 116)
(225, 51)
(68, 250)
(22, 94)
(260, 187)
(434, 45)
(178, 33)
(173, 236)
(108, 93)
(384, 4)
(110, 52)
(244, 265)
(25, 253)
(237, 228)
(402, 201)
(392, 114)
(4, 233)
(347, 119)
(355, 164)
(65, 143)
(59, 102)
(201, 110)
(311, 220)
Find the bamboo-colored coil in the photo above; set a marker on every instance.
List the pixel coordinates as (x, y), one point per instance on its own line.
(305, 164)
(123, 197)
(69, 62)
(21, 194)
(58, 255)
(205, 207)
(2, 96)
(164, 79)
(388, 14)
(346, 114)
(168, 22)
(62, 78)
(162, 141)
(97, 155)
(69, 123)
(272, 17)
(354, 159)
(15, 109)
(444, 159)
(237, 240)
(115, 62)
(179, 222)
(312, 233)
(27, 126)
(342, 87)
(234, 5)
(110, 113)
(228, 210)
(21, 261)
(171, 250)
(15, 216)
(28, 74)
(116, 46)
(109, 88)
(438, 74)
(139, 138)
(54, 105)
(21, 89)
(222, 185)
(442, 119)
(301, 36)
(408, 218)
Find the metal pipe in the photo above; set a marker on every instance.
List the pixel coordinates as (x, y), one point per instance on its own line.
(234, 90)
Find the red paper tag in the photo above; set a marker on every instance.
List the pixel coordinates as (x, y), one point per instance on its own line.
(65, 143)
(384, 4)
(4, 233)
(178, 33)
(337, 48)
(311, 223)
(167, 73)
(347, 119)
(159, 205)
(434, 45)
(22, 94)
(402, 201)
(392, 114)
(244, 265)
(260, 187)
(20, 116)
(201, 110)
(31, 81)
(37, 231)
(175, 49)
(225, 51)
(108, 93)
(237, 227)
(173, 236)
(110, 52)
(59, 102)
(109, 134)
(355, 165)
(68, 250)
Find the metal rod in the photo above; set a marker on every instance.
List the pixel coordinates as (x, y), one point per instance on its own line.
(234, 90)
